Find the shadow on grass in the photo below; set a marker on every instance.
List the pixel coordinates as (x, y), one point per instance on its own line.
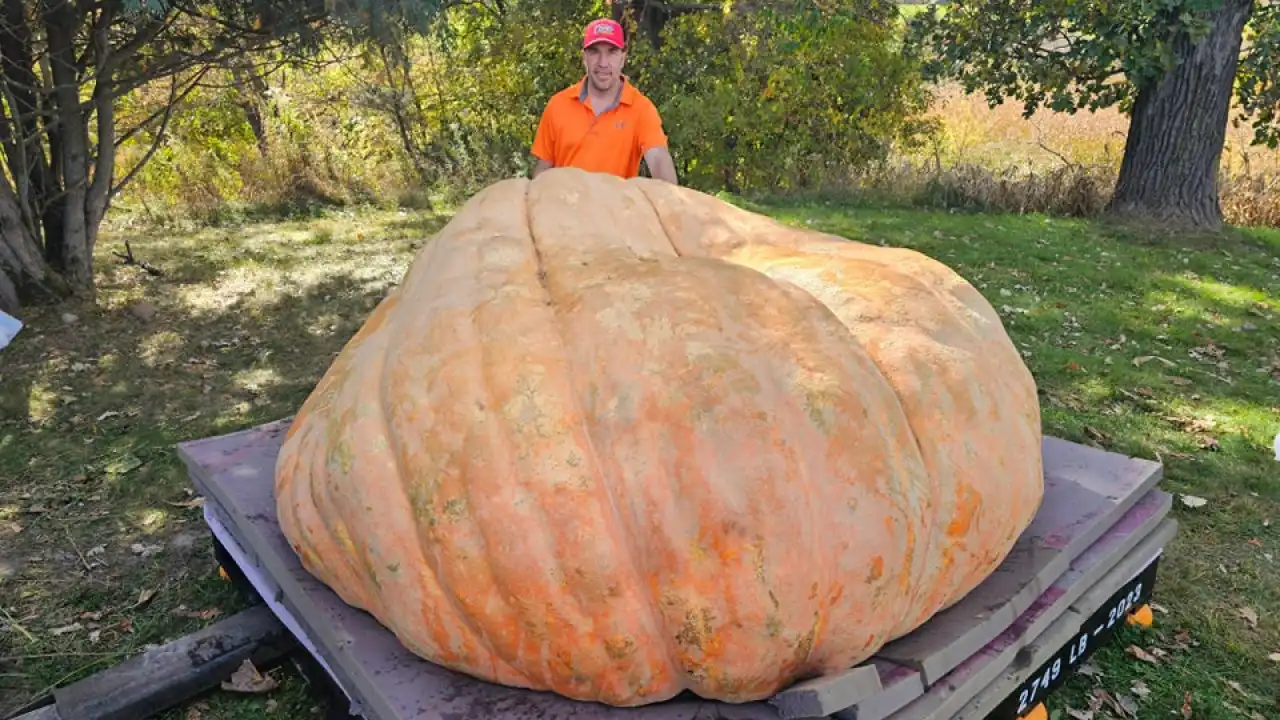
(102, 546)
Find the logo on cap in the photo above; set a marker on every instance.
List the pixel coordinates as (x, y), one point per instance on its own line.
(603, 30)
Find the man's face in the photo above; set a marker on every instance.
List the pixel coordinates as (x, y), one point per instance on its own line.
(603, 63)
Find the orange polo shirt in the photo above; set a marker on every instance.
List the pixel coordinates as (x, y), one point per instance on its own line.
(570, 134)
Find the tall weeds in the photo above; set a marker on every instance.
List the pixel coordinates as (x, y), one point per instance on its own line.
(993, 159)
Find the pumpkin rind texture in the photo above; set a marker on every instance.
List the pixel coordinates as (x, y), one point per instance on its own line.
(616, 439)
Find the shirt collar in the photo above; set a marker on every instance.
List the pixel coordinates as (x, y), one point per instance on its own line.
(626, 93)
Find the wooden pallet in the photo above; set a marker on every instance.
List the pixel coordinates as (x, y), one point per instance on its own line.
(1091, 549)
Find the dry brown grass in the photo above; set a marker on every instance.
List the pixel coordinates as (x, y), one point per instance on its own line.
(995, 159)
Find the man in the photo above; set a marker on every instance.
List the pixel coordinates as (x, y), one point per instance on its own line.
(603, 123)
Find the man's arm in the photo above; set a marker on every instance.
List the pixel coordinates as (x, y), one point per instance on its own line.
(544, 143)
(661, 166)
(653, 143)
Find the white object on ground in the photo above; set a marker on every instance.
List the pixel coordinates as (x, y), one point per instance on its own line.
(1277, 447)
(9, 327)
(257, 576)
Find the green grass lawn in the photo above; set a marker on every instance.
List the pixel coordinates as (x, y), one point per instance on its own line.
(1165, 348)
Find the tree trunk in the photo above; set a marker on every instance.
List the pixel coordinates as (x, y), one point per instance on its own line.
(8, 294)
(71, 253)
(1169, 173)
(253, 91)
(23, 270)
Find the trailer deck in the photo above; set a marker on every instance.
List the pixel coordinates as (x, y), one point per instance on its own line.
(1083, 568)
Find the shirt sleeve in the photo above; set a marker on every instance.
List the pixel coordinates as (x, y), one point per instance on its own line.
(544, 141)
(649, 131)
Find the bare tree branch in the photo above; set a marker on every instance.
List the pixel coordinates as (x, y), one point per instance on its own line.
(175, 97)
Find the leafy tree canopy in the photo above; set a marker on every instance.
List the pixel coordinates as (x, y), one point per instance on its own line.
(1067, 55)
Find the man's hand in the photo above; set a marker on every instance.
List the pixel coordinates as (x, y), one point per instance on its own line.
(660, 164)
(541, 167)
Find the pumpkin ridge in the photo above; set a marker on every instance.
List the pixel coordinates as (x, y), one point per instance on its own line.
(796, 267)
(953, 331)
(666, 232)
(436, 631)
(722, 240)
(540, 272)
(624, 548)
(428, 583)
(954, 300)
(458, 641)
(918, 545)
(528, 612)
(927, 543)
(465, 569)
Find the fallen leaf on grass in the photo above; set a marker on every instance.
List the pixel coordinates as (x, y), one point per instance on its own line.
(1096, 434)
(1186, 705)
(67, 629)
(1140, 689)
(1139, 395)
(1192, 501)
(122, 465)
(1274, 657)
(1251, 714)
(144, 597)
(1080, 714)
(145, 551)
(1142, 655)
(1144, 359)
(1250, 616)
(1112, 702)
(1158, 607)
(1239, 688)
(182, 611)
(1182, 640)
(247, 679)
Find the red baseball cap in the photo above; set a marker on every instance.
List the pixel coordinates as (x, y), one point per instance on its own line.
(603, 30)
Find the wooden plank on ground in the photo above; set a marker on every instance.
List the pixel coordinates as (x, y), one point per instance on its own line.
(1070, 627)
(1087, 570)
(171, 674)
(1086, 491)
(901, 686)
(821, 696)
(950, 695)
(48, 712)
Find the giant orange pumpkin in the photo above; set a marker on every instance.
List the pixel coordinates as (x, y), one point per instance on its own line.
(615, 439)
